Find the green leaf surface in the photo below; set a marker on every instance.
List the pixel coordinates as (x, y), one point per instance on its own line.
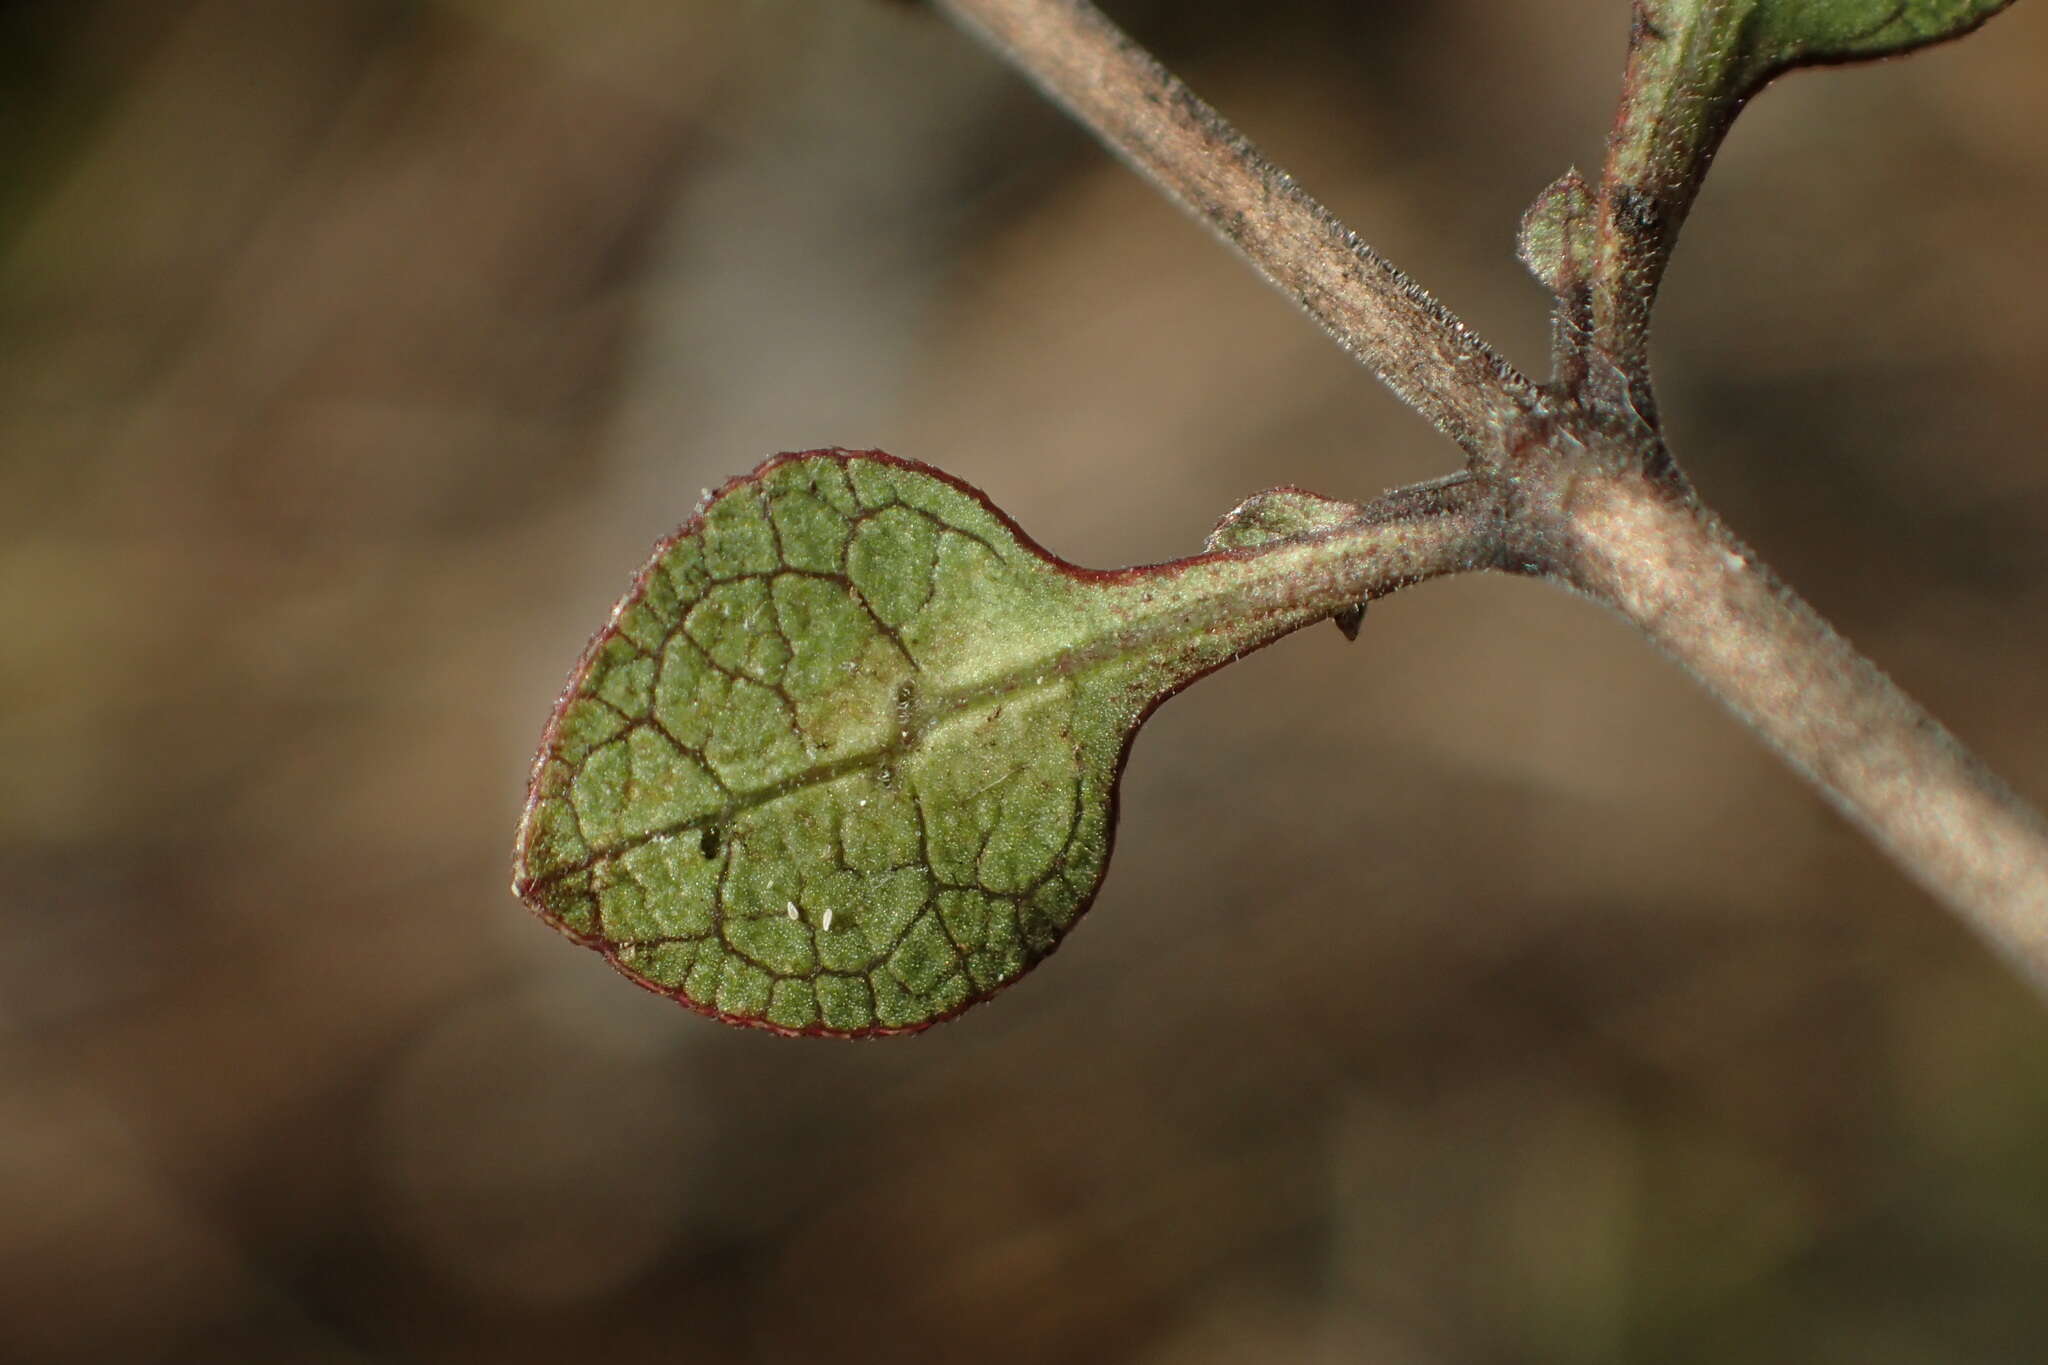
(1288, 513)
(1557, 237)
(1785, 33)
(1285, 513)
(1726, 48)
(844, 759)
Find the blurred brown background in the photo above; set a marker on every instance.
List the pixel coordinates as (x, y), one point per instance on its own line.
(1474, 993)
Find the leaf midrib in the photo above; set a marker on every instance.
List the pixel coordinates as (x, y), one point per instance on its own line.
(1146, 642)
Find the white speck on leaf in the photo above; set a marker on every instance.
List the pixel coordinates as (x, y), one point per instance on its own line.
(792, 908)
(826, 923)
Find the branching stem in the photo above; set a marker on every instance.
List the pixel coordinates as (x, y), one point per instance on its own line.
(1574, 486)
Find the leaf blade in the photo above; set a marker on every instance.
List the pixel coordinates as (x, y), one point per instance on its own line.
(844, 760)
(1787, 33)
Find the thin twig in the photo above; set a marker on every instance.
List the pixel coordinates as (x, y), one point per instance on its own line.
(1592, 498)
(1678, 574)
(1433, 362)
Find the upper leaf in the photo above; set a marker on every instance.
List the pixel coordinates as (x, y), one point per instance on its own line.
(1785, 33)
(844, 759)
(1692, 65)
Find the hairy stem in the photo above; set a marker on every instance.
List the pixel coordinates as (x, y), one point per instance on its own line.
(1679, 575)
(1573, 485)
(1672, 118)
(1412, 342)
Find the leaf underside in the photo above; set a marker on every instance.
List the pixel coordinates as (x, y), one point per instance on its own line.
(1725, 49)
(1797, 32)
(844, 759)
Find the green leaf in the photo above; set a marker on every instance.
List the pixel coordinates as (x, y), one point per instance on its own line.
(1725, 49)
(844, 759)
(1288, 513)
(1285, 513)
(1556, 241)
(1787, 33)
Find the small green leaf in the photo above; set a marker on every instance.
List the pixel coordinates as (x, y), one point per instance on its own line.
(1785, 33)
(1725, 49)
(844, 760)
(1279, 514)
(1285, 514)
(1556, 240)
